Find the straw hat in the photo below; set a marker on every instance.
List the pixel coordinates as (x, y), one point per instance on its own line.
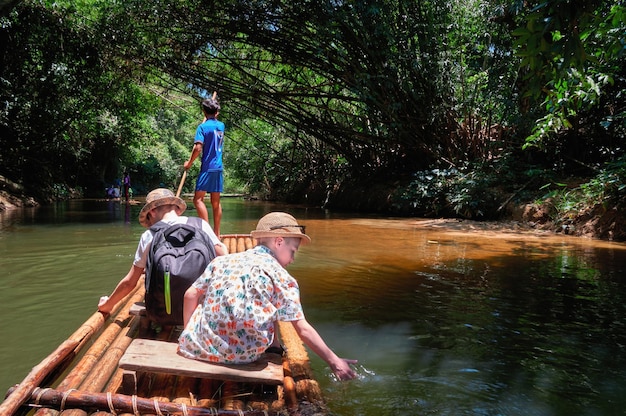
(280, 224)
(157, 198)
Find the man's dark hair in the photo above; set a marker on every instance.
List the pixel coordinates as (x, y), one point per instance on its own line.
(210, 106)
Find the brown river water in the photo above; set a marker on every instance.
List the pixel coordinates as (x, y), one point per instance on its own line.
(445, 317)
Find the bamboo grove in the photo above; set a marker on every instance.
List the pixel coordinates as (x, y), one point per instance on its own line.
(317, 96)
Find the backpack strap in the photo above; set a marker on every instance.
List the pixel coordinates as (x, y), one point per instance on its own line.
(195, 222)
(157, 231)
(159, 226)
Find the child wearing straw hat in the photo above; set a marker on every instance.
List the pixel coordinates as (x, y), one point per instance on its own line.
(230, 312)
(161, 205)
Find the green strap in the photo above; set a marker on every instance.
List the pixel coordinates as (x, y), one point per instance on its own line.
(167, 293)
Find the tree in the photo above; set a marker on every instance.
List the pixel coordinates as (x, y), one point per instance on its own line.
(573, 54)
(372, 85)
(69, 114)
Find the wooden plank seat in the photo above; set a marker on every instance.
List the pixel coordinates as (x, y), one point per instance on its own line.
(150, 356)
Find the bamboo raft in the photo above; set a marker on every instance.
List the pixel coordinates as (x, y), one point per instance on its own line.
(83, 377)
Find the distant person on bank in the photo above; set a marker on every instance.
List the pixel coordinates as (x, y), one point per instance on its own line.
(127, 186)
(230, 312)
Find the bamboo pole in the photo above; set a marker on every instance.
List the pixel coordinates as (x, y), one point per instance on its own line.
(106, 366)
(289, 386)
(115, 382)
(182, 182)
(299, 365)
(119, 403)
(80, 371)
(241, 244)
(231, 399)
(24, 390)
(85, 332)
(232, 245)
(226, 242)
(207, 392)
(185, 390)
(163, 387)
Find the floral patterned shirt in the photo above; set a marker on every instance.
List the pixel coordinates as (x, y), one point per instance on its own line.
(241, 296)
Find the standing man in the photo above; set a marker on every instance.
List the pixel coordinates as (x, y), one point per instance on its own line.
(209, 142)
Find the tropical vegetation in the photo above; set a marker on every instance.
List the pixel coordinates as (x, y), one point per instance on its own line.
(403, 106)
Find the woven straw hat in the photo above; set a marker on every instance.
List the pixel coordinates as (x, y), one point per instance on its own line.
(158, 197)
(280, 224)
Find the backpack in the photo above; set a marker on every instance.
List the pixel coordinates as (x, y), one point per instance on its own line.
(179, 254)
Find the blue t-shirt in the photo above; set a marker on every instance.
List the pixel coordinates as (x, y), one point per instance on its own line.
(211, 135)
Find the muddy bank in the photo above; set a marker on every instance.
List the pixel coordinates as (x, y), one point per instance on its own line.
(501, 209)
(599, 221)
(12, 196)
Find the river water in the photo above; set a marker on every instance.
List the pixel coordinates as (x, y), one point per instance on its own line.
(444, 320)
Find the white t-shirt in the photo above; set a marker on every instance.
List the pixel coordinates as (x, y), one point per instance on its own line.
(141, 255)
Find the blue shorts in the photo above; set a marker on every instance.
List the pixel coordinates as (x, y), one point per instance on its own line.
(210, 182)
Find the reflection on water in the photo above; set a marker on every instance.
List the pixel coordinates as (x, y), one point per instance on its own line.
(443, 320)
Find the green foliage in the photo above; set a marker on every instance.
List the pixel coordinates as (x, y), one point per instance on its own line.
(369, 78)
(45, 70)
(451, 192)
(367, 88)
(161, 157)
(605, 189)
(69, 117)
(269, 165)
(482, 67)
(572, 51)
(313, 94)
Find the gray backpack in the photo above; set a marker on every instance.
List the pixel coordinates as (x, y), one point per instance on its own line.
(179, 254)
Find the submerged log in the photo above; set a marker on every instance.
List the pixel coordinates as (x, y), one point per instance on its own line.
(119, 403)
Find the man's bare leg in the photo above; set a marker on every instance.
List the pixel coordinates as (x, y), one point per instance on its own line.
(198, 202)
(217, 212)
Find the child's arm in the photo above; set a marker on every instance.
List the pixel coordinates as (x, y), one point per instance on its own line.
(190, 302)
(197, 150)
(339, 366)
(123, 288)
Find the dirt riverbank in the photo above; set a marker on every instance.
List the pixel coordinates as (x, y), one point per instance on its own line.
(595, 222)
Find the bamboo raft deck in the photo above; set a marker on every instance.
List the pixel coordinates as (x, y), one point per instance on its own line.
(83, 377)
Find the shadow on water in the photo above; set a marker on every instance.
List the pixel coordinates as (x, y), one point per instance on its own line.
(446, 319)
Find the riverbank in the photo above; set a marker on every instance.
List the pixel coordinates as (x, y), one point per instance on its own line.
(9, 201)
(597, 222)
